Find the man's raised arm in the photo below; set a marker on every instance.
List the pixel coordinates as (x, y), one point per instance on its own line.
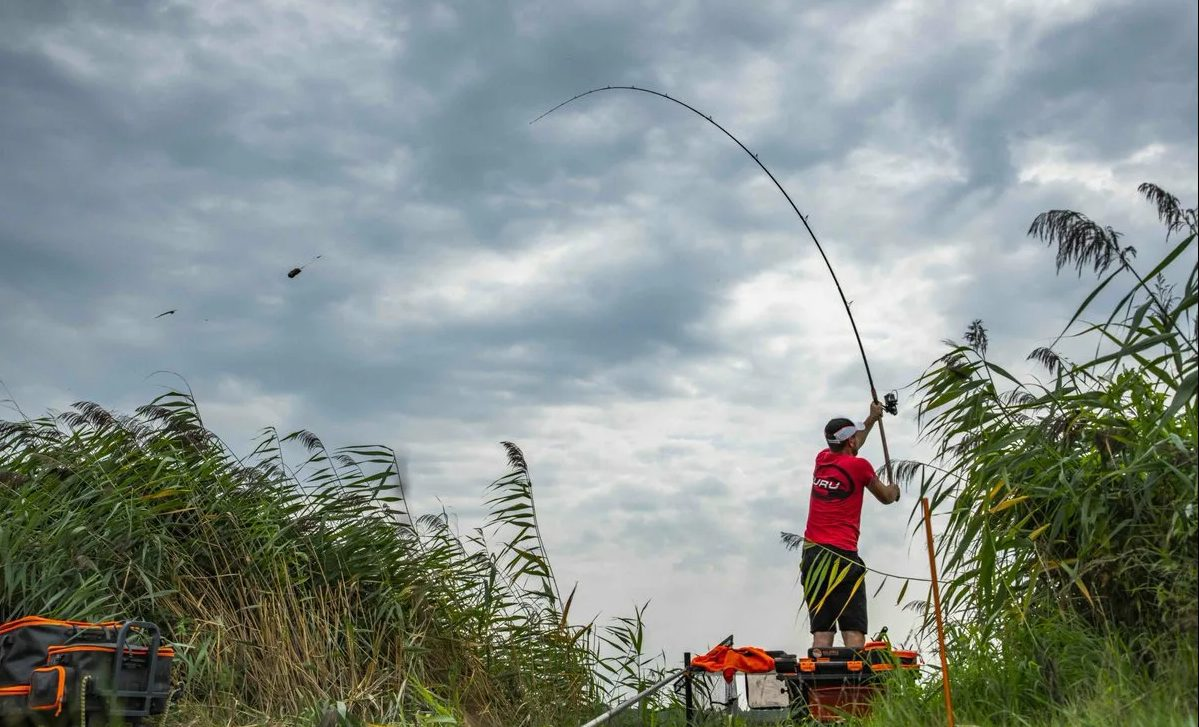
(886, 494)
(876, 413)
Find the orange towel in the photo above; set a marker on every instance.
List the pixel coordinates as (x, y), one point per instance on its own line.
(749, 659)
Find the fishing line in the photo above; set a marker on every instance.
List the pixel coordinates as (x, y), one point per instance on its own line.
(852, 562)
(802, 218)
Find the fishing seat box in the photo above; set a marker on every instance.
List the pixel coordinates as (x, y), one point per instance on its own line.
(51, 672)
(837, 682)
(874, 653)
(829, 689)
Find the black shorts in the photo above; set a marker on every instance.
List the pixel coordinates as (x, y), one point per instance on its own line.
(834, 586)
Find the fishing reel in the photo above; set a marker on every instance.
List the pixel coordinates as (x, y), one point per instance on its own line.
(891, 403)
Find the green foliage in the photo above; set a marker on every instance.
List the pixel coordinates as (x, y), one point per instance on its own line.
(1055, 674)
(288, 587)
(1072, 500)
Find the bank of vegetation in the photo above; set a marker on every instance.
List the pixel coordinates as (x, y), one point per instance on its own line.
(293, 585)
(1071, 536)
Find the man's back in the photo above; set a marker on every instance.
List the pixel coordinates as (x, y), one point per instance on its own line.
(835, 510)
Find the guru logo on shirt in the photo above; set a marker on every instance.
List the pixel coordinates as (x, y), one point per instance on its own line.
(828, 489)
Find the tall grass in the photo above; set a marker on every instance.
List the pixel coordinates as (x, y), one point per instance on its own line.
(1070, 545)
(289, 587)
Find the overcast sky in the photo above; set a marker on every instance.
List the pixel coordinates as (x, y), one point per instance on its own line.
(618, 288)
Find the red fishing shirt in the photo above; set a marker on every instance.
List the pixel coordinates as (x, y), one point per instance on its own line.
(835, 511)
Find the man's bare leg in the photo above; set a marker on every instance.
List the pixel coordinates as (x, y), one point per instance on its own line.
(852, 639)
(822, 639)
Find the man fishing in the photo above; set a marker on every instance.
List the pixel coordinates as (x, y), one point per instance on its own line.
(833, 572)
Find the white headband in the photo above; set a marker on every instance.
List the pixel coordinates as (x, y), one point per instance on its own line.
(844, 433)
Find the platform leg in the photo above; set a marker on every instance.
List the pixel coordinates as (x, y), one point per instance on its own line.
(688, 704)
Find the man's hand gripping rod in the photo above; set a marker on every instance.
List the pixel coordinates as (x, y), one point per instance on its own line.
(891, 406)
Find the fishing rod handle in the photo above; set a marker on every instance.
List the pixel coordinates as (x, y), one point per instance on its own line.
(882, 434)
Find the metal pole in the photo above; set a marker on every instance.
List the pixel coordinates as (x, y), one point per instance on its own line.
(932, 567)
(726, 641)
(689, 707)
(730, 690)
(633, 700)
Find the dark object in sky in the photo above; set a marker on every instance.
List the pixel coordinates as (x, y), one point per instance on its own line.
(296, 271)
(167, 313)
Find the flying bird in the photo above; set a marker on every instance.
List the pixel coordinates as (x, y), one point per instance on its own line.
(296, 271)
(167, 313)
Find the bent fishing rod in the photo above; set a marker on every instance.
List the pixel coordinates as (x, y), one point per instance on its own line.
(891, 402)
